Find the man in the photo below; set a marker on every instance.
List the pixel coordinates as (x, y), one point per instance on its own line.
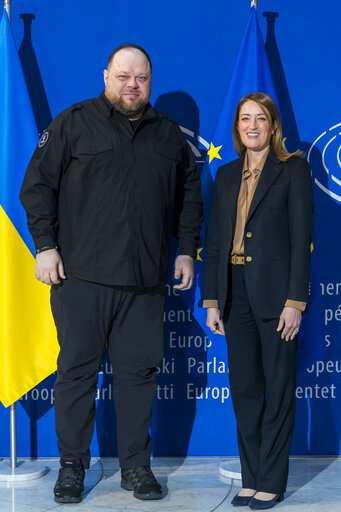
(108, 184)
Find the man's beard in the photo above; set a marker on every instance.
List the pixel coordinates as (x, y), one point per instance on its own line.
(135, 109)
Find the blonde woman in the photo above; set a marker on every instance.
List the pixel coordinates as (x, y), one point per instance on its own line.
(256, 288)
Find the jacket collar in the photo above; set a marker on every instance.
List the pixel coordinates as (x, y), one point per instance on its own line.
(234, 177)
(260, 164)
(272, 168)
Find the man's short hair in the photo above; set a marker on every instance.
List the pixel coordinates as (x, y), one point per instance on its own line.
(127, 46)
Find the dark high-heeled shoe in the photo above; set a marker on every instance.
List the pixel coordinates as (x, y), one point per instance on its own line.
(241, 501)
(264, 504)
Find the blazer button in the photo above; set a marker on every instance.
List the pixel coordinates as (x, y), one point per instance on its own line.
(248, 258)
(249, 234)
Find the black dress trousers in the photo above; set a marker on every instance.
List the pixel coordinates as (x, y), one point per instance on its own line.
(262, 372)
(129, 322)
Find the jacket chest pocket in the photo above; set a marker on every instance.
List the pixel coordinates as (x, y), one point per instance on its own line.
(94, 161)
(166, 157)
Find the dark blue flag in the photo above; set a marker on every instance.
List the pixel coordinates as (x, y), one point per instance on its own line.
(251, 74)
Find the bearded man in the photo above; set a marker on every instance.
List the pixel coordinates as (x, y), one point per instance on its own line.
(109, 183)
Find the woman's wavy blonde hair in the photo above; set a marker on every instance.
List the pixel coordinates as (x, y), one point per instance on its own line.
(269, 108)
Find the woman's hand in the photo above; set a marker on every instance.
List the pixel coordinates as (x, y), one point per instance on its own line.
(289, 321)
(214, 322)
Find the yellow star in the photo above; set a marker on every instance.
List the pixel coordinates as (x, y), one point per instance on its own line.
(284, 139)
(311, 247)
(198, 254)
(213, 152)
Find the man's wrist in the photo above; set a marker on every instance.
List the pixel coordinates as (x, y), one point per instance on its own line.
(187, 248)
(46, 248)
(187, 255)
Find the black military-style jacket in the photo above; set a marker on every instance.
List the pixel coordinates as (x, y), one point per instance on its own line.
(110, 196)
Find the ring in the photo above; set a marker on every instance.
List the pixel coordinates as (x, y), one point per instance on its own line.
(296, 331)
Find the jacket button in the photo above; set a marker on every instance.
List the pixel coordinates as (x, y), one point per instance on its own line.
(249, 234)
(248, 258)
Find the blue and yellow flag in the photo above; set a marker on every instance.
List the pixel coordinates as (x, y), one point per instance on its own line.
(28, 342)
(251, 73)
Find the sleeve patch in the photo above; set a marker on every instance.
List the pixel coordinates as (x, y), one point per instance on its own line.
(43, 139)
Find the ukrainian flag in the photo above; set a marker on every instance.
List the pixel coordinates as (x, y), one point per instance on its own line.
(28, 341)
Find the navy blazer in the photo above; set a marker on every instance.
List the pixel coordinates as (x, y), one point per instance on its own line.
(279, 226)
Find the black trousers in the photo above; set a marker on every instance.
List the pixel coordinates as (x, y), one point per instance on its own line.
(262, 372)
(129, 322)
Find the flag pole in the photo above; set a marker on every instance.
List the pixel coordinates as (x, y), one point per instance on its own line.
(24, 470)
(29, 470)
(13, 430)
(7, 6)
(13, 411)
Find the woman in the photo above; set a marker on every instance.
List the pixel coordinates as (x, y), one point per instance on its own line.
(256, 287)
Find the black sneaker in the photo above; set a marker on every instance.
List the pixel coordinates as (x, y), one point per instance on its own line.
(142, 481)
(70, 481)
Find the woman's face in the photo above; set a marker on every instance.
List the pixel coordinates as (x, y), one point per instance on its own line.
(254, 126)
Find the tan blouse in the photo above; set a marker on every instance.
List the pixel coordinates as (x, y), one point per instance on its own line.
(246, 192)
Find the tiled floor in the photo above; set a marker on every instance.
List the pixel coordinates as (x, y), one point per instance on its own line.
(190, 485)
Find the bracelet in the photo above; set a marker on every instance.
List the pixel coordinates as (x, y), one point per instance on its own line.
(46, 248)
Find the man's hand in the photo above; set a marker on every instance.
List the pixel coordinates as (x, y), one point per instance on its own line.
(214, 322)
(289, 321)
(184, 267)
(49, 267)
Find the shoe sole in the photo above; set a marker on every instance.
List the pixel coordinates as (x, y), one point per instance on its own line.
(262, 504)
(68, 499)
(241, 502)
(151, 496)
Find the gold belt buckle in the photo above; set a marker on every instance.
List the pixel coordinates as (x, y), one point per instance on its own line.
(237, 260)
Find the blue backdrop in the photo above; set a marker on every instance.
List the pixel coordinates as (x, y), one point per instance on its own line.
(64, 48)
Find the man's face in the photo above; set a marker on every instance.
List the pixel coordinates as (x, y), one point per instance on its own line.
(128, 82)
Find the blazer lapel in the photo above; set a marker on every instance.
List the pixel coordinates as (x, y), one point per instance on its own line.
(233, 186)
(271, 170)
